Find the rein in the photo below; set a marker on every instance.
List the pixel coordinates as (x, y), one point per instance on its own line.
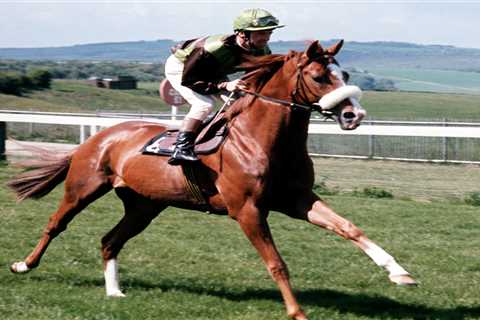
(295, 106)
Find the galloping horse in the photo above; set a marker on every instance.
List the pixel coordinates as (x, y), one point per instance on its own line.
(262, 165)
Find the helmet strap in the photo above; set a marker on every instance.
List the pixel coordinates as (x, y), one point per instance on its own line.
(245, 39)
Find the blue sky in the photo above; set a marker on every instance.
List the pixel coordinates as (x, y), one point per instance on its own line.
(60, 23)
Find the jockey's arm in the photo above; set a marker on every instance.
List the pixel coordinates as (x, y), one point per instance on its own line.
(199, 73)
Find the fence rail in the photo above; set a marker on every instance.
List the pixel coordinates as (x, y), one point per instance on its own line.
(432, 141)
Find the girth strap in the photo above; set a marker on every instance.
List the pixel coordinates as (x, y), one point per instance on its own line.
(192, 183)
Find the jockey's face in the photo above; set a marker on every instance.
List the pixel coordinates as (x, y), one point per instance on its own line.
(259, 39)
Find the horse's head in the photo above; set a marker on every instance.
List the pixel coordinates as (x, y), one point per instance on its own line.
(322, 82)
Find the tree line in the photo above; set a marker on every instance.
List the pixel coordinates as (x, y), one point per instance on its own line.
(16, 83)
(75, 69)
(19, 75)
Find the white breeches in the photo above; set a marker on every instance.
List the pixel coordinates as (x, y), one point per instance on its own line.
(201, 105)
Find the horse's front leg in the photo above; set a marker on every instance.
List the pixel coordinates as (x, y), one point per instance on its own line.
(318, 213)
(254, 224)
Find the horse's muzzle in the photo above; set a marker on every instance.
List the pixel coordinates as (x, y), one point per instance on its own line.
(350, 119)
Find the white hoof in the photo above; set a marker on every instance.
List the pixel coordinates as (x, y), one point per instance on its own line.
(19, 267)
(403, 280)
(116, 294)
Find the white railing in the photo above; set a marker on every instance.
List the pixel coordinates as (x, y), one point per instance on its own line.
(83, 120)
(377, 128)
(371, 128)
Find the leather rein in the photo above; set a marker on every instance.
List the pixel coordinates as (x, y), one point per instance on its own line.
(295, 106)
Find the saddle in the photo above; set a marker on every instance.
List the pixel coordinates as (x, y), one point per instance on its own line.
(211, 136)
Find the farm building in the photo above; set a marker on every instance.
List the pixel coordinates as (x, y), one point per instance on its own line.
(120, 82)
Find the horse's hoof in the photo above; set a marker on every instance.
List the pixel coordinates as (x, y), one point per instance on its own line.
(116, 294)
(19, 267)
(403, 280)
(299, 315)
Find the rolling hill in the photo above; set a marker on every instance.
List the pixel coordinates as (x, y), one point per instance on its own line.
(358, 54)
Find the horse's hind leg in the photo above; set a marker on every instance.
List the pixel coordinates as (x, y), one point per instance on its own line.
(139, 212)
(80, 191)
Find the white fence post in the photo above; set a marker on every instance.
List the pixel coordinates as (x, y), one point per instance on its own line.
(82, 133)
(93, 130)
(174, 112)
(3, 137)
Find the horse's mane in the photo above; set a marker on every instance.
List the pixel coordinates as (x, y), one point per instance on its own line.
(261, 69)
(258, 71)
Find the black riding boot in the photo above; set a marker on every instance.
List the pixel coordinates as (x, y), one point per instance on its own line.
(184, 148)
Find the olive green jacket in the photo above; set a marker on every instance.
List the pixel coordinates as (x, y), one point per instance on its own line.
(208, 61)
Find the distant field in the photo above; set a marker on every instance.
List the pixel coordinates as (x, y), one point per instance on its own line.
(76, 96)
(421, 106)
(431, 80)
(192, 266)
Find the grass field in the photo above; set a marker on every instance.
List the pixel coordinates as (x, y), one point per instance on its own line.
(431, 80)
(190, 265)
(75, 96)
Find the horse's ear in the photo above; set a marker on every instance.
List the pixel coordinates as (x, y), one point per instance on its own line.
(314, 49)
(333, 50)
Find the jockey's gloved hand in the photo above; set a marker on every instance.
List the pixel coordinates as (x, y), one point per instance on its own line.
(234, 85)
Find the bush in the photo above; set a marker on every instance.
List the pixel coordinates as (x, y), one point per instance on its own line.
(40, 78)
(10, 83)
(473, 199)
(373, 192)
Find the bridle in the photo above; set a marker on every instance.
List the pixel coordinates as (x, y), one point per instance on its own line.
(293, 105)
(327, 114)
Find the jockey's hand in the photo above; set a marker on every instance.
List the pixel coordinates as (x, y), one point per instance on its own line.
(236, 85)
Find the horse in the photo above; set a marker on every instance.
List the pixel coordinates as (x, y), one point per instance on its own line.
(262, 165)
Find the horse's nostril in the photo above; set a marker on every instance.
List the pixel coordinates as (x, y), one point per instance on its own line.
(349, 115)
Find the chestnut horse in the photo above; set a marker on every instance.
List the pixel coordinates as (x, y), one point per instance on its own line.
(263, 165)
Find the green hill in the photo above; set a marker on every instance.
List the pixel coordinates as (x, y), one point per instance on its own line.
(359, 54)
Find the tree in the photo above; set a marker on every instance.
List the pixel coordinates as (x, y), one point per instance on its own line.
(40, 78)
(10, 83)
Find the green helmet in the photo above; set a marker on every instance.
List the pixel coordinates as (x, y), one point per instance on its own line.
(255, 20)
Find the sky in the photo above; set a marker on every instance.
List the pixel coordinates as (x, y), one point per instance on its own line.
(64, 23)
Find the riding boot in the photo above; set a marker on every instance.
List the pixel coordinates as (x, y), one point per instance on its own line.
(184, 147)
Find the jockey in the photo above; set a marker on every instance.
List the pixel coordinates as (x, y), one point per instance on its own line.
(198, 70)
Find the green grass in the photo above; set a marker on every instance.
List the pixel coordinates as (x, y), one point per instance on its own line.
(76, 96)
(418, 106)
(190, 265)
(431, 80)
(418, 181)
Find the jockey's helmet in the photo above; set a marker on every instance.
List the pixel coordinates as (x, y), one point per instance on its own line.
(255, 20)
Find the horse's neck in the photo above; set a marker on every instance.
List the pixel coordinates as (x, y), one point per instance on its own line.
(272, 124)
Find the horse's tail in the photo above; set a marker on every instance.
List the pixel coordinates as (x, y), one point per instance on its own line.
(41, 175)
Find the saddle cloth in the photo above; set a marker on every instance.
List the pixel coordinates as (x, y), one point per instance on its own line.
(208, 141)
